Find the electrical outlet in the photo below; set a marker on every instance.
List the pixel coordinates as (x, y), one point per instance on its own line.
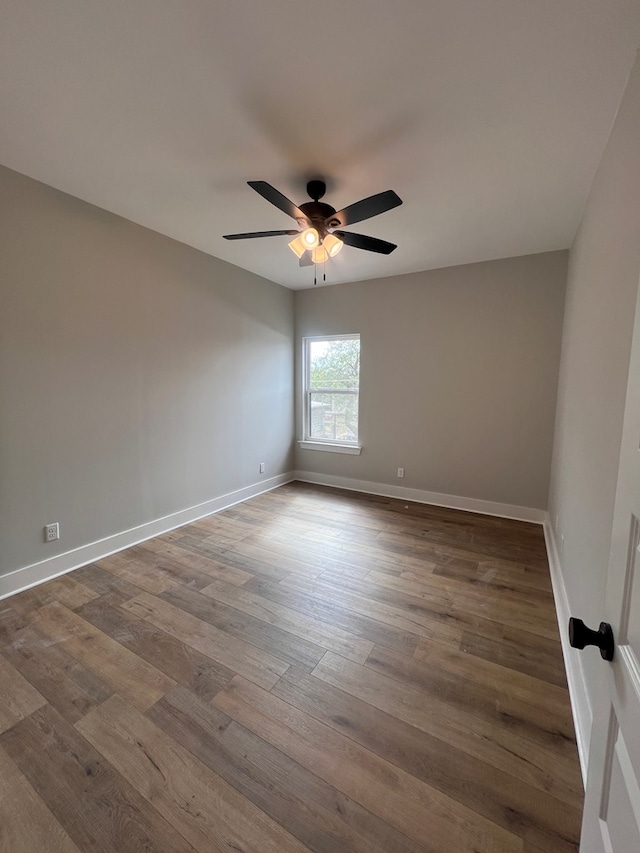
(51, 532)
(262, 467)
(400, 472)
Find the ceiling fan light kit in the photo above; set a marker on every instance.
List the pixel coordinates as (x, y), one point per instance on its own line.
(319, 255)
(333, 245)
(315, 243)
(321, 251)
(297, 246)
(310, 238)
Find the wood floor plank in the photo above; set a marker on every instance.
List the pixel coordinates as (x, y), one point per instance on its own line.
(351, 556)
(187, 568)
(123, 671)
(68, 590)
(494, 744)
(98, 809)
(258, 666)
(476, 540)
(306, 806)
(520, 650)
(204, 808)
(524, 612)
(441, 611)
(144, 576)
(201, 559)
(227, 556)
(548, 730)
(64, 682)
(19, 698)
(104, 583)
(309, 546)
(10, 622)
(384, 789)
(511, 683)
(236, 623)
(500, 575)
(329, 609)
(276, 558)
(507, 579)
(175, 659)
(506, 800)
(222, 526)
(417, 621)
(435, 538)
(316, 631)
(26, 824)
(472, 580)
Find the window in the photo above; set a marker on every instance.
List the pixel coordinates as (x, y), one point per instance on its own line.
(331, 384)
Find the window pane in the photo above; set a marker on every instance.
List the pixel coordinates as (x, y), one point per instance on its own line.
(334, 364)
(333, 417)
(332, 378)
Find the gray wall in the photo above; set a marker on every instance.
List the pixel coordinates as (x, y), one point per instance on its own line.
(138, 377)
(601, 293)
(459, 372)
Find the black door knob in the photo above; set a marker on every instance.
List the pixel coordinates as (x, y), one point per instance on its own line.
(581, 636)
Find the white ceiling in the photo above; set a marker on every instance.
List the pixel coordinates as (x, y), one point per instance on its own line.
(487, 117)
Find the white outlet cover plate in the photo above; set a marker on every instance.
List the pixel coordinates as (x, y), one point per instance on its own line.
(52, 532)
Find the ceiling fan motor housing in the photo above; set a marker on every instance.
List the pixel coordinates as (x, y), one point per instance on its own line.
(317, 212)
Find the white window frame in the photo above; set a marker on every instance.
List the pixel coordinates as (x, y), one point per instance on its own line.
(326, 444)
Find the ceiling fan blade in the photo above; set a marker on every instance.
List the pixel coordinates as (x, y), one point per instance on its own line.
(364, 209)
(305, 260)
(370, 244)
(251, 234)
(280, 201)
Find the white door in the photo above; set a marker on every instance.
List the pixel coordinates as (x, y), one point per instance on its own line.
(612, 803)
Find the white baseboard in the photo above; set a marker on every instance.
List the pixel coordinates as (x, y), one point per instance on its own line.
(518, 513)
(37, 573)
(580, 705)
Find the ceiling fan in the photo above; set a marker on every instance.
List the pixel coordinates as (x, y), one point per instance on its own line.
(321, 237)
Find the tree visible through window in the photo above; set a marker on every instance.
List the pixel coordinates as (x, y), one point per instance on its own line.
(332, 378)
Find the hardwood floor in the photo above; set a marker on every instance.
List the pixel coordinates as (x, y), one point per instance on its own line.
(310, 670)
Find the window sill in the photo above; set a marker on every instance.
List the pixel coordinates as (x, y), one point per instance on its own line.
(353, 449)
